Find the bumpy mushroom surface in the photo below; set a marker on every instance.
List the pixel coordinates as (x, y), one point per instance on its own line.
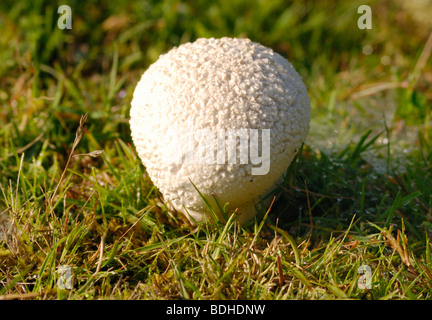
(227, 115)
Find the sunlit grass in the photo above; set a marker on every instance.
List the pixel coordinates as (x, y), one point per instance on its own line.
(76, 194)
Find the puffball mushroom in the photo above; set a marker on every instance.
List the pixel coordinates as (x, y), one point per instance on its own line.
(222, 116)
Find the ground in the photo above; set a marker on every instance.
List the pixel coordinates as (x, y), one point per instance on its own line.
(353, 217)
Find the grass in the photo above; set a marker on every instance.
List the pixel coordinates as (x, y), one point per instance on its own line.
(73, 191)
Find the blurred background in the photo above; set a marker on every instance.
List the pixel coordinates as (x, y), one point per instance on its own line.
(357, 79)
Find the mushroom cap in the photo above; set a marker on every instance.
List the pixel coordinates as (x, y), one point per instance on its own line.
(194, 99)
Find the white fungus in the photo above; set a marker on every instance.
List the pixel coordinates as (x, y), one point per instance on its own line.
(224, 115)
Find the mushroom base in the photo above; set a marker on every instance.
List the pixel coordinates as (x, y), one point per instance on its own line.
(245, 212)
